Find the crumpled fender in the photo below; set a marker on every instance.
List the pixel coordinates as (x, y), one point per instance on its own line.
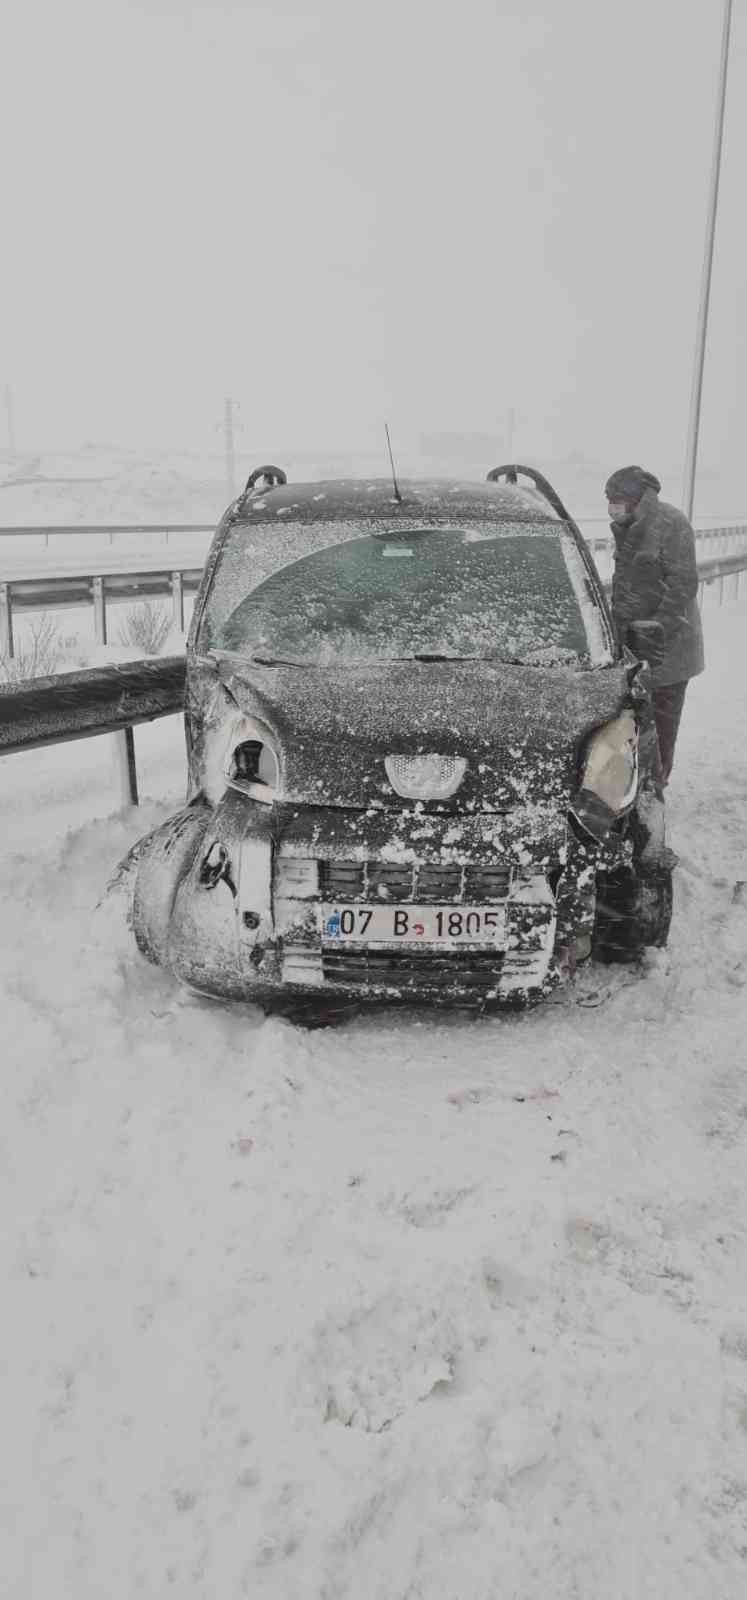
(221, 924)
(161, 861)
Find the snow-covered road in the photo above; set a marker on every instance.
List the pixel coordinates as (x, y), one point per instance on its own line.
(418, 1308)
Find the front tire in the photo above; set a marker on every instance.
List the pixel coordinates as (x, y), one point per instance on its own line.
(634, 912)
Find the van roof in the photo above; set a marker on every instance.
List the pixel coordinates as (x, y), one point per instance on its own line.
(364, 499)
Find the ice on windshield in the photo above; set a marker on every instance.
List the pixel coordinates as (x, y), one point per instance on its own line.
(504, 592)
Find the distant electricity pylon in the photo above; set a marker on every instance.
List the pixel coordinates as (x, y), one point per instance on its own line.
(693, 431)
(513, 421)
(228, 427)
(510, 431)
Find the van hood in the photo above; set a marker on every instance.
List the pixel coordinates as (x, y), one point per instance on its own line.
(517, 729)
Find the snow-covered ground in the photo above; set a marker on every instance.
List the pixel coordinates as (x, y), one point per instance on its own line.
(416, 1308)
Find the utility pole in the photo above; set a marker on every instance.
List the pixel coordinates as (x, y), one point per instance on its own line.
(228, 433)
(510, 429)
(9, 414)
(693, 431)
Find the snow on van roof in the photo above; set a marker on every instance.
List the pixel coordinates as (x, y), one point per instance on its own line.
(373, 497)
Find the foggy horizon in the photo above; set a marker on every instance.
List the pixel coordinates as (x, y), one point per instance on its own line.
(336, 220)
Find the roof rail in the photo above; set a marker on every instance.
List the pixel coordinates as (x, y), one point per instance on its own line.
(259, 480)
(272, 478)
(510, 473)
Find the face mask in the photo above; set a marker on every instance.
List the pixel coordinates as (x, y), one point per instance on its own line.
(618, 510)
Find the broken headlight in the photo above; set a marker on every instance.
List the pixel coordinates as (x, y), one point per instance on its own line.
(241, 753)
(253, 762)
(609, 778)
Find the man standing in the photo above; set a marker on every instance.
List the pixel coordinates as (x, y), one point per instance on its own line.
(655, 594)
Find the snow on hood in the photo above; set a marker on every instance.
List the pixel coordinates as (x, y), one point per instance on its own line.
(519, 728)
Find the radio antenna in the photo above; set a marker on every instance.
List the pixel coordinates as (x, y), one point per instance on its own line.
(397, 494)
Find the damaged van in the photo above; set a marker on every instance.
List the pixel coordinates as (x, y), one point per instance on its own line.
(420, 767)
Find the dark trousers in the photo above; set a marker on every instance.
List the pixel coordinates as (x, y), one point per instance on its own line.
(668, 703)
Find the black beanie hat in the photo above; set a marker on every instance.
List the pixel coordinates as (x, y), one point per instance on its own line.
(629, 483)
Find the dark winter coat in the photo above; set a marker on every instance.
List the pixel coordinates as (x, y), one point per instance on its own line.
(655, 578)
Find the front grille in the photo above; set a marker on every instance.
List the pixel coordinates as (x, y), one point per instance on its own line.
(432, 882)
(459, 969)
(342, 880)
(439, 883)
(388, 881)
(486, 883)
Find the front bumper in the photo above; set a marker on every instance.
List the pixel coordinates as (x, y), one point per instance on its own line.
(244, 920)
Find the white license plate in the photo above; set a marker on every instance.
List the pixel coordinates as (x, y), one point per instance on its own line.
(414, 924)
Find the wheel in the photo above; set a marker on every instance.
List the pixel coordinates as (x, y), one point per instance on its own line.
(634, 911)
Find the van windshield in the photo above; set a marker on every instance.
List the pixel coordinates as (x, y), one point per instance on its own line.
(510, 592)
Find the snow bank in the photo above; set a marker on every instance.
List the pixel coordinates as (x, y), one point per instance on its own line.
(417, 1307)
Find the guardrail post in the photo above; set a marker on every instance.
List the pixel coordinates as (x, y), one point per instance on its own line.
(99, 611)
(124, 758)
(6, 620)
(177, 599)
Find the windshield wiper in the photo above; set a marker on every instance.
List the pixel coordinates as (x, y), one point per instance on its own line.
(426, 655)
(278, 661)
(243, 658)
(432, 655)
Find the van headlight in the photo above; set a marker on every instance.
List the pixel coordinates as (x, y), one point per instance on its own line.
(242, 753)
(253, 760)
(609, 780)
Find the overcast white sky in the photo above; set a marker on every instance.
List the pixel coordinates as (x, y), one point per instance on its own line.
(422, 210)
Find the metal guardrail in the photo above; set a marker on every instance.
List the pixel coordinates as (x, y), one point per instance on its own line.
(72, 705)
(721, 567)
(729, 539)
(48, 531)
(78, 705)
(79, 589)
